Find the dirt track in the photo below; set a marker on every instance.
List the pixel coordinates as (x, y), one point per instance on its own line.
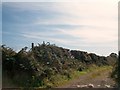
(99, 81)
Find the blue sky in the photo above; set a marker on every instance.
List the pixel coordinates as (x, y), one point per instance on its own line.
(85, 26)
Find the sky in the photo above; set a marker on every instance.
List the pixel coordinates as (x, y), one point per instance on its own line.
(0, 23)
(90, 26)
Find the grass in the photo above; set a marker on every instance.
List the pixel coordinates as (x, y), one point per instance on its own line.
(59, 80)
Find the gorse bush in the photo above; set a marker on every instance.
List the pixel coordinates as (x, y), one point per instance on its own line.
(39, 66)
(116, 71)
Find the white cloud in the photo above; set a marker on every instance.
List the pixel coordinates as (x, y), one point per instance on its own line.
(101, 17)
(92, 35)
(45, 36)
(99, 21)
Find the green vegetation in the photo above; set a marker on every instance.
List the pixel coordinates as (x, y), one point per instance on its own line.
(116, 71)
(47, 65)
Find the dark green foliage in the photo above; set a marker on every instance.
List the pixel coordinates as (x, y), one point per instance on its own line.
(67, 73)
(116, 70)
(29, 68)
(8, 60)
(80, 69)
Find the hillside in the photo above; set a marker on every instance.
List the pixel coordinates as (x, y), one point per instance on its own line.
(44, 64)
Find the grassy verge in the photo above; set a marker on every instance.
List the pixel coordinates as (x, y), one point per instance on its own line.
(59, 80)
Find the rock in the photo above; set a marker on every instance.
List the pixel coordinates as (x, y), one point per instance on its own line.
(78, 86)
(90, 86)
(98, 85)
(82, 86)
(107, 86)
